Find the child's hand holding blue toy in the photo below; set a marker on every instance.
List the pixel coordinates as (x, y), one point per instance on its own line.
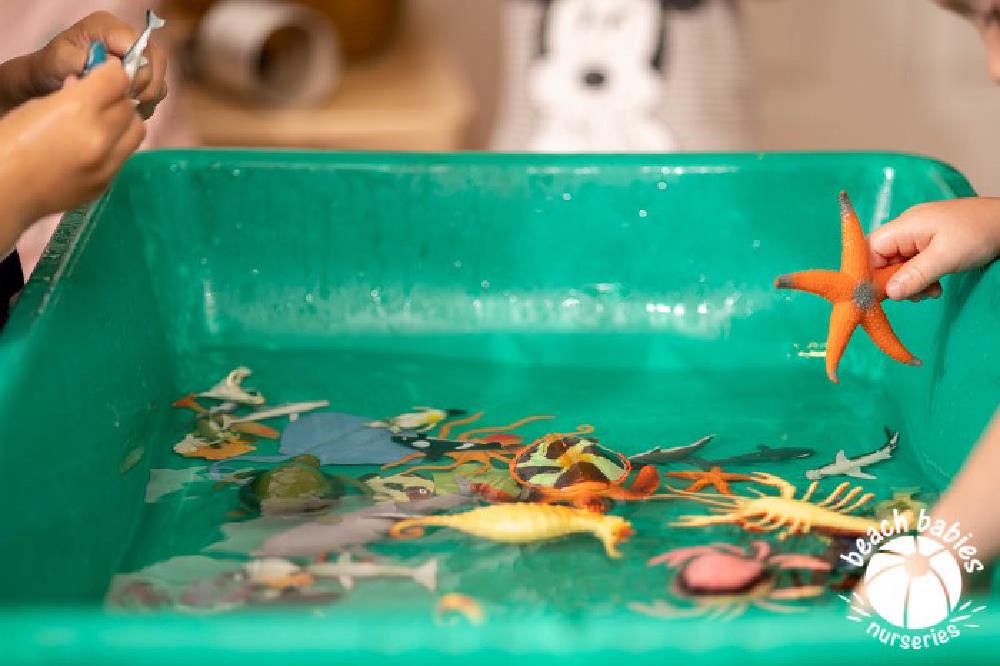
(71, 52)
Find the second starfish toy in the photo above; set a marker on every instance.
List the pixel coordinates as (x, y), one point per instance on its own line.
(856, 291)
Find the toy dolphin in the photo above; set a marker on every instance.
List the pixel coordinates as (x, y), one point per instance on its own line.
(844, 466)
(134, 60)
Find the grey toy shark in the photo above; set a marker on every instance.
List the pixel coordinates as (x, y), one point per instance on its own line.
(844, 466)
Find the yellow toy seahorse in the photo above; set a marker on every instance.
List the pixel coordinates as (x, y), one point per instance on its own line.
(524, 523)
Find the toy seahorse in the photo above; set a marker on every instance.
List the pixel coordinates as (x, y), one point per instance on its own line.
(524, 523)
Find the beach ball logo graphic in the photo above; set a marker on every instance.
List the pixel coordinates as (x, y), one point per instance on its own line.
(913, 582)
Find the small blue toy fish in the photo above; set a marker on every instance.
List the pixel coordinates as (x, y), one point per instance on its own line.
(97, 54)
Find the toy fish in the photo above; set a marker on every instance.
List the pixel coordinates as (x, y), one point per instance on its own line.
(134, 60)
(660, 456)
(346, 571)
(763, 454)
(421, 420)
(844, 466)
(97, 54)
(524, 523)
(399, 487)
(230, 389)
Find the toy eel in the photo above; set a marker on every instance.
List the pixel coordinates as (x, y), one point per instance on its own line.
(524, 523)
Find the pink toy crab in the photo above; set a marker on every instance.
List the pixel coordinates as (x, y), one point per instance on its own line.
(724, 580)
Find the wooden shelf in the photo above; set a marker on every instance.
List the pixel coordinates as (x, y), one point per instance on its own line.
(412, 97)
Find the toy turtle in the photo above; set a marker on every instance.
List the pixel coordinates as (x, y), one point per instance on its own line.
(567, 469)
(297, 486)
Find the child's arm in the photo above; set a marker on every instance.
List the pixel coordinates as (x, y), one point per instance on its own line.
(972, 497)
(935, 239)
(44, 71)
(62, 150)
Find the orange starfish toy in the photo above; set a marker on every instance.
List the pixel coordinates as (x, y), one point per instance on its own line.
(714, 477)
(856, 291)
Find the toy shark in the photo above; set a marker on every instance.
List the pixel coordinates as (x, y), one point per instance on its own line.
(763, 454)
(844, 466)
(660, 456)
(134, 60)
(346, 570)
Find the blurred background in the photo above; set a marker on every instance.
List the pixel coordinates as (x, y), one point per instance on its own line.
(561, 75)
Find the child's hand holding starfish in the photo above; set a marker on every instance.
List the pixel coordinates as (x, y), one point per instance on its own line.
(934, 239)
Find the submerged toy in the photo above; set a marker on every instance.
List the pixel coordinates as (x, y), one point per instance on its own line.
(297, 486)
(902, 502)
(714, 477)
(337, 438)
(134, 60)
(844, 466)
(563, 469)
(660, 456)
(767, 513)
(345, 571)
(590, 495)
(524, 523)
(856, 292)
(352, 531)
(230, 389)
(763, 454)
(277, 574)
(421, 420)
(560, 460)
(400, 487)
(461, 604)
(489, 444)
(724, 580)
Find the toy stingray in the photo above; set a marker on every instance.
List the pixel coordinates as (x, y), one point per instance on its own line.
(856, 292)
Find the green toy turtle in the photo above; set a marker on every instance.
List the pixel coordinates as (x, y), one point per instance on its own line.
(296, 486)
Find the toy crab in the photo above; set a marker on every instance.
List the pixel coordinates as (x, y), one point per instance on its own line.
(564, 469)
(724, 580)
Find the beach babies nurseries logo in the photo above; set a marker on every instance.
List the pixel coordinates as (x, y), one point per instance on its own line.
(912, 592)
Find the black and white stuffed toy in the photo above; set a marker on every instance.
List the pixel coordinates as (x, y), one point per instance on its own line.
(595, 75)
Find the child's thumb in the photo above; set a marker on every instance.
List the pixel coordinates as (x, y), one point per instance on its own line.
(917, 274)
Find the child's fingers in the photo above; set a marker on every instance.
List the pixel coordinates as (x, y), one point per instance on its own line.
(904, 237)
(106, 85)
(917, 274)
(933, 291)
(155, 88)
(105, 27)
(117, 119)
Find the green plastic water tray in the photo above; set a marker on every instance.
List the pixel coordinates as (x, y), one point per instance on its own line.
(634, 293)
